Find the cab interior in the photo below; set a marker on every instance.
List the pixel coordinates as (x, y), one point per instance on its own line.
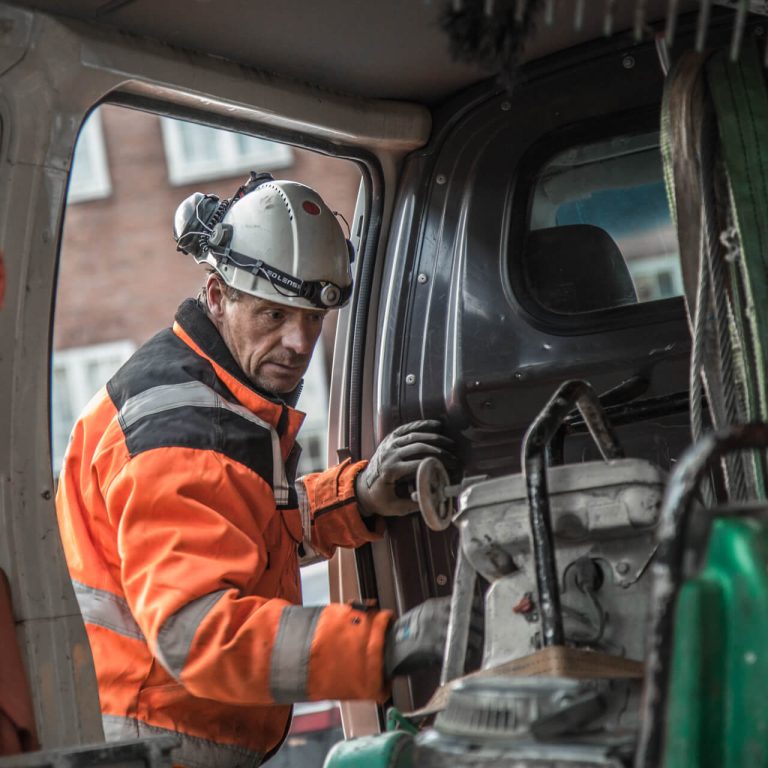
(513, 233)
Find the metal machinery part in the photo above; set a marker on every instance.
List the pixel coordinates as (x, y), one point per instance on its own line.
(601, 518)
(151, 752)
(435, 503)
(579, 537)
(496, 721)
(704, 700)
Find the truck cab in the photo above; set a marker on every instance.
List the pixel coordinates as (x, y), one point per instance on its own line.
(529, 271)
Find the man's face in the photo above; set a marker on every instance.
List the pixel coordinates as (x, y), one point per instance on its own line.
(271, 342)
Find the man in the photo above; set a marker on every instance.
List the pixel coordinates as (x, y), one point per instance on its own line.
(181, 521)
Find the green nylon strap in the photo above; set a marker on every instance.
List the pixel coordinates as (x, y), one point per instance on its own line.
(741, 104)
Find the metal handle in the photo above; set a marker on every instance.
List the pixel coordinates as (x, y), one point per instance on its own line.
(535, 443)
(667, 573)
(457, 635)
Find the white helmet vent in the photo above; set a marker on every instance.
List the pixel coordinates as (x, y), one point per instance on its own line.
(282, 196)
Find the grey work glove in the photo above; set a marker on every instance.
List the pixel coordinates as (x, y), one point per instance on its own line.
(382, 487)
(417, 639)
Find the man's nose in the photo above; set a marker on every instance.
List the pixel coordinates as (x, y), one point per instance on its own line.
(300, 337)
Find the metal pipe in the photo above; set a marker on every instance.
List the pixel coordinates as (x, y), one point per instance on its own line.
(457, 635)
(702, 24)
(671, 28)
(534, 451)
(739, 22)
(667, 574)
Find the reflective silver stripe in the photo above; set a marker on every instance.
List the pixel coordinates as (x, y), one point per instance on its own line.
(178, 631)
(105, 609)
(198, 395)
(193, 752)
(310, 554)
(289, 665)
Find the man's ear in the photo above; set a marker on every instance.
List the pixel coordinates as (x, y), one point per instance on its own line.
(215, 296)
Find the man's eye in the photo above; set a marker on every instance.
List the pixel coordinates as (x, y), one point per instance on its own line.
(275, 315)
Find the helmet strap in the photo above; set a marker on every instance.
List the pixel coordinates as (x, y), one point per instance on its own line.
(323, 295)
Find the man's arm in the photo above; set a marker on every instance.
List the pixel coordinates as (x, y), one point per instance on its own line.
(344, 506)
(192, 556)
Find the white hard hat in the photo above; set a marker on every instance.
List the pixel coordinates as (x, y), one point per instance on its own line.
(276, 240)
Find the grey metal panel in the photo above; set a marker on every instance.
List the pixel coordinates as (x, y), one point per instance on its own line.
(460, 342)
(392, 50)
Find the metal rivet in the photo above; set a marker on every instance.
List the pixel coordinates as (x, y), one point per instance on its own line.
(422, 278)
(628, 62)
(441, 579)
(505, 106)
(622, 567)
(410, 379)
(440, 178)
(46, 494)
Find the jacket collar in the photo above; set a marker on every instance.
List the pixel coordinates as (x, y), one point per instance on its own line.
(194, 328)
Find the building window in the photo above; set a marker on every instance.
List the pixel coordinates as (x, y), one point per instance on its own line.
(313, 436)
(200, 153)
(657, 277)
(89, 178)
(77, 374)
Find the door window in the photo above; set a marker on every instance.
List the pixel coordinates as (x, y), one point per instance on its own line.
(600, 233)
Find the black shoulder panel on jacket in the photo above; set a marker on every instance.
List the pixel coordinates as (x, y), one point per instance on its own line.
(168, 396)
(164, 359)
(216, 429)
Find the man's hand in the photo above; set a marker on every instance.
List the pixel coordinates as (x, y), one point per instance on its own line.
(417, 639)
(381, 487)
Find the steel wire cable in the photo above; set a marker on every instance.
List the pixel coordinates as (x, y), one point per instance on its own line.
(736, 482)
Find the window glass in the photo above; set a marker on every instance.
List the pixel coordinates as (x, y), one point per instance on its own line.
(600, 231)
(90, 179)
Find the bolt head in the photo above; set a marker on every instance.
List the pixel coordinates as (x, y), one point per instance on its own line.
(628, 62)
(422, 278)
(440, 178)
(410, 379)
(441, 579)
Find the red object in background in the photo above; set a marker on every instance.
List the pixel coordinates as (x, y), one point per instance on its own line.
(17, 721)
(308, 722)
(2, 280)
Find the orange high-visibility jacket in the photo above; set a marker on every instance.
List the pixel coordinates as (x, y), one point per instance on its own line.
(182, 528)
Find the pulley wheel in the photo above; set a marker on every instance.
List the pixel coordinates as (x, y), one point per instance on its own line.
(431, 482)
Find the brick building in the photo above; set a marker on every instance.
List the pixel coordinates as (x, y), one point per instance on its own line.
(121, 279)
